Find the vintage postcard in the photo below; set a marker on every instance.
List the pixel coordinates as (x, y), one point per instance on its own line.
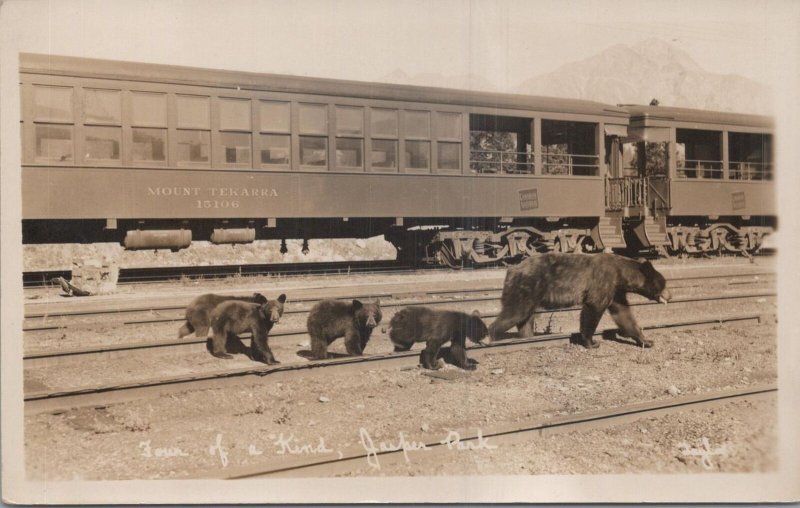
(399, 251)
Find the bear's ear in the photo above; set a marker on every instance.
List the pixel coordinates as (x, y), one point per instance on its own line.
(357, 305)
(476, 313)
(282, 298)
(647, 267)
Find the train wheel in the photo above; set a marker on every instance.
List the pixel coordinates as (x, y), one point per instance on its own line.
(448, 256)
(535, 245)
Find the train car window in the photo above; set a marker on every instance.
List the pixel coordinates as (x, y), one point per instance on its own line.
(449, 155)
(417, 132)
(194, 112)
(750, 156)
(383, 122)
(234, 115)
(52, 104)
(349, 121)
(234, 118)
(235, 147)
(275, 149)
(383, 132)
(418, 154)
(148, 109)
(275, 116)
(54, 143)
(313, 151)
(569, 148)
(645, 159)
(193, 146)
(630, 159)
(149, 145)
(275, 125)
(102, 143)
(313, 119)
(417, 124)
(384, 154)
(699, 154)
(350, 149)
(102, 107)
(500, 145)
(349, 153)
(448, 126)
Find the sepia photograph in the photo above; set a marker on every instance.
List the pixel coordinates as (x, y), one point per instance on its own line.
(347, 251)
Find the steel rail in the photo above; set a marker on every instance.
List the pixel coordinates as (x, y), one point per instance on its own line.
(49, 358)
(59, 401)
(146, 275)
(375, 294)
(355, 456)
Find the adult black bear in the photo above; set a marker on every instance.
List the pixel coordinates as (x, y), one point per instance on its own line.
(435, 327)
(233, 317)
(330, 319)
(597, 281)
(198, 313)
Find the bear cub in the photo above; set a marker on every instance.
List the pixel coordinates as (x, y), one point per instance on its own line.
(233, 317)
(436, 327)
(198, 313)
(595, 281)
(330, 319)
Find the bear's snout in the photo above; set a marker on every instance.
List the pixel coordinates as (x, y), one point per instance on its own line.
(665, 296)
(371, 322)
(275, 317)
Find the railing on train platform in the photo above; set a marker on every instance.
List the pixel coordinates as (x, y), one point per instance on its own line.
(501, 162)
(626, 192)
(522, 163)
(750, 170)
(570, 164)
(699, 169)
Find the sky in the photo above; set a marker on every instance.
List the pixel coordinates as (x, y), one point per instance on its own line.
(504, 42)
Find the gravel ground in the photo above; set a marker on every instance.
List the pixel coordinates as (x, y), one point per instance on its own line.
(54, 297)
(135, 366)
(88, 331)
(170, 436)
(740, 437)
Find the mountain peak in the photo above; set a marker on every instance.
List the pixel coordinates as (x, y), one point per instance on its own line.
(650, 68)
(658, 50)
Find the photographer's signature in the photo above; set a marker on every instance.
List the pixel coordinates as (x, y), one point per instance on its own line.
(705, 452)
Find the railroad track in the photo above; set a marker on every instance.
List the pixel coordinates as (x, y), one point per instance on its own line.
(355, 457)
(36, 279)
(101, 396)
(37, 321)
(158, 348)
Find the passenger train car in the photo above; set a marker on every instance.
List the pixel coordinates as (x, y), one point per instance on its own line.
(157, 156)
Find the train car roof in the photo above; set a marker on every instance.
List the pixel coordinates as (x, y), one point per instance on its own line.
(656, 114)
(31, 63)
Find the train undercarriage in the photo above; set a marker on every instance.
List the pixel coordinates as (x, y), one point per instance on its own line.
(455, 243)
(716, 238)
(457, 248)
(507, 243)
